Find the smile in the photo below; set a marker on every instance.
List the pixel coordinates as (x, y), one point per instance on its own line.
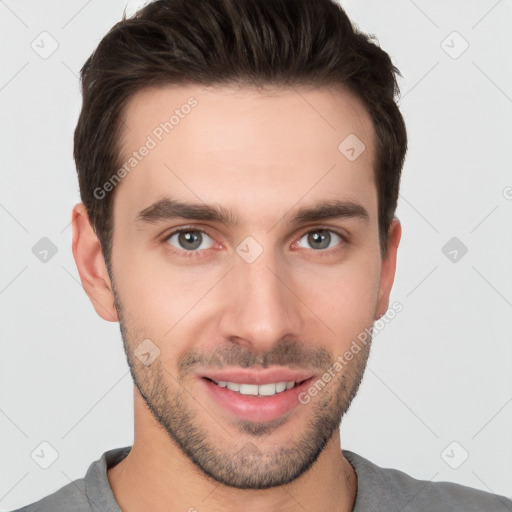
(257, 396)
(269, 389)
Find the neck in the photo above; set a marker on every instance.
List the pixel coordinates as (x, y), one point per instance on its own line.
(157, 476)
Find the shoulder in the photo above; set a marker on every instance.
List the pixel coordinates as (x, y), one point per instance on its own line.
(70, 497)
(89, 494)
(384, 488)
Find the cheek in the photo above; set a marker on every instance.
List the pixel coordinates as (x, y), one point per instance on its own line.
(158, 297)
(344, 297)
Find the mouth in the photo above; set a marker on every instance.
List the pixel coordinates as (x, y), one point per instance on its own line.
(270, 389)
(256, 396)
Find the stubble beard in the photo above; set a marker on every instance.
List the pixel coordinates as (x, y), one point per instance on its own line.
(247, 466)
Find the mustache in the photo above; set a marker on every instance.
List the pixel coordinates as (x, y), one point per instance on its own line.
(291, 354)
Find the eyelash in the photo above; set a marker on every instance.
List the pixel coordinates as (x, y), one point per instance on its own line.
(198, 253)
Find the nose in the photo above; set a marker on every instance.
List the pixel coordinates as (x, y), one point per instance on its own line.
(264, 304)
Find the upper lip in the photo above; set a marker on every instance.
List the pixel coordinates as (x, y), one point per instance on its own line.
(264, 376)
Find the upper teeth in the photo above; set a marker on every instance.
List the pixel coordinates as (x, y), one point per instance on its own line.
(254, 389)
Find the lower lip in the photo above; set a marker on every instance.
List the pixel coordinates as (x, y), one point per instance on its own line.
(255, 408)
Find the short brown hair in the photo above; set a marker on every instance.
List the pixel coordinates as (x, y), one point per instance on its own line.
(248, 42)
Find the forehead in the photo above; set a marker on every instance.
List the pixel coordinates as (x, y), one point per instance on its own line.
(256, 150)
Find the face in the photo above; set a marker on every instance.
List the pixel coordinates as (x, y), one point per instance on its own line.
(245, 262)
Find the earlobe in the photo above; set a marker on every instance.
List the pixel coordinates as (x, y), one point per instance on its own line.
(91, 265)
(388, 268)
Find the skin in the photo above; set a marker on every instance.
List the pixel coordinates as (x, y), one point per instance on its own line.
(262, 154)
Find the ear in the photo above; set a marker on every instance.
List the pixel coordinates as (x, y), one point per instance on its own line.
(91, 265)
(387, 275)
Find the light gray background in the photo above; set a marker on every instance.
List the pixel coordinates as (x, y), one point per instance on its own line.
(439, 372)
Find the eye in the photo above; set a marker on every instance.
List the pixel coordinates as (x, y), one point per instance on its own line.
(189, 240)
(319, 239)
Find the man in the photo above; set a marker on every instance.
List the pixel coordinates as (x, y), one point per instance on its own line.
(239, 164)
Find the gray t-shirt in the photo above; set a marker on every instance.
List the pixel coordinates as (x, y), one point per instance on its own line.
(379, 490)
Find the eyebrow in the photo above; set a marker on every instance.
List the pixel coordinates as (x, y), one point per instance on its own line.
(167, 209)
